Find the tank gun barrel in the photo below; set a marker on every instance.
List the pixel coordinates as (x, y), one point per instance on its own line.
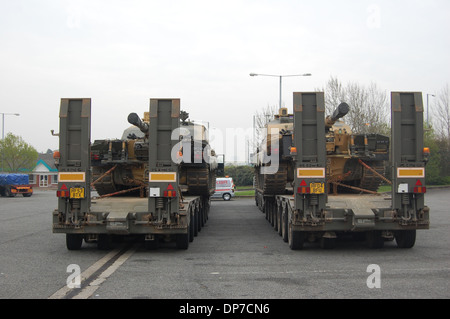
(340, 112)
(134, 119)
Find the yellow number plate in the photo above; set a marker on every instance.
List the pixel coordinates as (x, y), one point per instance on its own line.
(317, 188)
(77, 192)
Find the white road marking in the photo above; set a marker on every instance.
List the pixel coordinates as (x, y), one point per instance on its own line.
(89, 290)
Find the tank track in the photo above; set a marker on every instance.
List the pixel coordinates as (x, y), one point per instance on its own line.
(106, 185)
(370, 180)
(200, 181)
(273, 184)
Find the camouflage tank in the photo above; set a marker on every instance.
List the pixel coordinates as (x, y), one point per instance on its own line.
(276, 143)
(355, 162)
(120, 166)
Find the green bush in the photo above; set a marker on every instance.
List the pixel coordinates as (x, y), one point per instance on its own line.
(242, 174)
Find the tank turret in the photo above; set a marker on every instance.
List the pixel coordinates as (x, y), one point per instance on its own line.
(135, 120)
(339, 113)
(120, 166)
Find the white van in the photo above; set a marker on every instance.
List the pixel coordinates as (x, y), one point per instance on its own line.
(224, 188)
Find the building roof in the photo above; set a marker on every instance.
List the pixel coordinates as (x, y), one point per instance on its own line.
(46, 160)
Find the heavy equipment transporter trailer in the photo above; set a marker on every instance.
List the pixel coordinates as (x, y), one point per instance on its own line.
(307, 213)
(165, 215)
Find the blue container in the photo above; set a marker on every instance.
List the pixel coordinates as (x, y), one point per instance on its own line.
(14, 179)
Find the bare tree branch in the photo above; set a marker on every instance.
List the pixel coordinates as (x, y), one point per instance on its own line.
(441, 113)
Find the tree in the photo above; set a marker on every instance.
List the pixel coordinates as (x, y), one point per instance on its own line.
(242, 175)
(263, 117)
(369, 110)
(442, 113)
(441, 125)
(17, 155)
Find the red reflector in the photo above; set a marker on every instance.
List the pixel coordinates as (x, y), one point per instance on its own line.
(170, 187)
(419, 183)
(303, 183)
(64, 187)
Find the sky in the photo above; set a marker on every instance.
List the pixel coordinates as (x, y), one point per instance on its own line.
(121, 53)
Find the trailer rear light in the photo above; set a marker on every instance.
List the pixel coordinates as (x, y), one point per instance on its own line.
(426, 151)
(170, 192)
(293, 151)
(419, 189)
(303, 189)
(63, 192)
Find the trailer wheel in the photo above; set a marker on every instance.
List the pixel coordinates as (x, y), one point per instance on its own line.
(279, 218)
(284, 226)
(152, 244)
(296, 239)
(405, 238)
(74, 241)
(374, 239)
(9, 194)
(328, 243)
(193, 229)
(182, 241)
(104, 242)
(199, 218)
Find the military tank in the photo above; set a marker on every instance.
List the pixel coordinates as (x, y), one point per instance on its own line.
(276, 144)
(120, 166)
(355, 162)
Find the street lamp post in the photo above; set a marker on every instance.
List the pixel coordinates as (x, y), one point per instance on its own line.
(281, 77)
(3, 132)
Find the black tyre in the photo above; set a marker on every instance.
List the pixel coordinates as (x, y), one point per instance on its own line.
(74, 241)
(405, 238)
(279, 217)
(296, 239)
(104, 242)
(374, 239)
(284, 226)
(152, 244)
(193, 227)
(182, 241)
(226, 196)
(328, 243)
